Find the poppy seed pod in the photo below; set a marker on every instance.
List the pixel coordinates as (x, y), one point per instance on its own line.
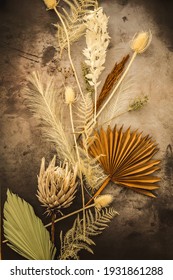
(51, 4)
(141, 41)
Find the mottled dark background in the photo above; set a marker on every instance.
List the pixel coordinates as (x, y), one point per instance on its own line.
(144, 229)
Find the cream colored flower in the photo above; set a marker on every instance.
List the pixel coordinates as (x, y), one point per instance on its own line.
(69, 95)
(56, 186)
(51, 4)
(141, 41)
(103, 201)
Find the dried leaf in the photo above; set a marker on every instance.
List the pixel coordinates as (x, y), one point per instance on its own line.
(127, 159)
(111, 79)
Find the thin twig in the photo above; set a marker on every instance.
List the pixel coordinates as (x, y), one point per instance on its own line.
(80, 173)
(69, 52)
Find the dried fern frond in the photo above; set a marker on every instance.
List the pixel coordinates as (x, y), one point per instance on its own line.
(74, 240)
(84, 123)
(42, 101)
(24, 231)
(74, 21)
(127, 159)
(111, 79)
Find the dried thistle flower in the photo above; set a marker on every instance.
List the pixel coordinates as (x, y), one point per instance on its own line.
(138, 103)
(51, 4)
(69, 95)
(102, 201)
(141, 41)
(56, 185)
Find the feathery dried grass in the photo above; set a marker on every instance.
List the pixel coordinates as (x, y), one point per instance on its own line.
(42, 101)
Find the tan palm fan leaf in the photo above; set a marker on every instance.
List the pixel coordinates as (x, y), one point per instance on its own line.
(126, 159)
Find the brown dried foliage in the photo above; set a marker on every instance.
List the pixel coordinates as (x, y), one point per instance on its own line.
(111, 79)
(126, 159)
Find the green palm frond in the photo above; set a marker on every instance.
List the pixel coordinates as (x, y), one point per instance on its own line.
(42, 101)
(74, 21)
(74, 240)
(25, 232)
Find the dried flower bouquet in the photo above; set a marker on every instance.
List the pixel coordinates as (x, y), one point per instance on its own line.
(90, 157)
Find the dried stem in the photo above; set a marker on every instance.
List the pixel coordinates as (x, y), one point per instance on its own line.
(69, 52)
(80, 173)
(107, 180)
(53, 228)
(71, 214)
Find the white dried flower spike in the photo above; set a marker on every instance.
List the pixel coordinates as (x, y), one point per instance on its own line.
(69, 95)
(97, 41)
(103, 201)
(141, 41)
(51, 4)
(56, 185)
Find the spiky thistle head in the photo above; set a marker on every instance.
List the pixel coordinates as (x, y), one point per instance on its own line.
(51, 4)
(56, 185)
(141, 41)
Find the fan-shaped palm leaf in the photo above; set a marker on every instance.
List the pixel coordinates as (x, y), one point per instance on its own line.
(126, 159)
(24, 231)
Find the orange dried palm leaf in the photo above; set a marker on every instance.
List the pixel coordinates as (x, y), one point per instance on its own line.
(126, 157)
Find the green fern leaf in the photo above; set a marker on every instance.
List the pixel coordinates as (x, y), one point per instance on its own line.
(25, 232)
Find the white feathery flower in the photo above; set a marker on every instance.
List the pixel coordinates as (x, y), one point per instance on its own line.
(97, 41)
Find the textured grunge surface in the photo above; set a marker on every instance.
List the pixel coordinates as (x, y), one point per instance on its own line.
(144, 228)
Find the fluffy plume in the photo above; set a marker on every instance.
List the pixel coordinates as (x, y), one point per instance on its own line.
(102, 201)
(56, 186)
(141, 41)
(42, 100)
(69, 95)
(97, 41)
(51, 4)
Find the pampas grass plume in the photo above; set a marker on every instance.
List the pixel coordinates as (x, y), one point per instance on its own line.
(141, 41)
(103, 201)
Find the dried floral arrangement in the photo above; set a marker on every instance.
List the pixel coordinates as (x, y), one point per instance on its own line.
(93, 153)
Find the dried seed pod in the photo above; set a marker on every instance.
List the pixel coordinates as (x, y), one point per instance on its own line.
(141, 41)
(56, 186)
